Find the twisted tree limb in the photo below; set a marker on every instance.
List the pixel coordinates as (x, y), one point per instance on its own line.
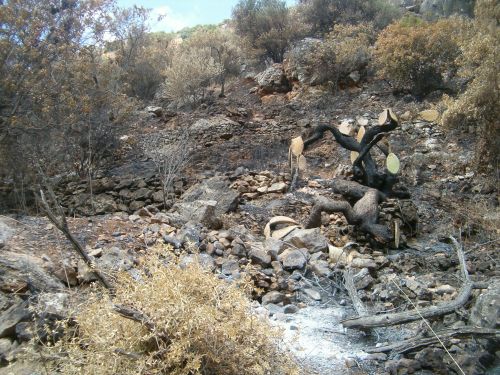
(364, 213)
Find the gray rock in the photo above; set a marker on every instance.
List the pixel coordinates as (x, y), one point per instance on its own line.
(313, 294)
(274, 247)
(274, 309)
(272, 80)
(311, 239)
(200, 211)
(6, 231)
(362, 279)
(6, 345)
(290, 309)
(142, 194)
(364, 263)
(190, 233)
(104, 203)
(486, 311)
(214, 189)
(157, 111)
(102, 185)
(438, 8)
(221, 124)
(10, 318)
(277, 187)
(230, 267)
(24, 332)
(136, 205)
(293, 259)
(320, 268)
(29, 269)
(272, 297)
(204, 260)
(259, 255)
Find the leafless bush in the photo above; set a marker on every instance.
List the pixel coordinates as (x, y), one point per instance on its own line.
(170, 156)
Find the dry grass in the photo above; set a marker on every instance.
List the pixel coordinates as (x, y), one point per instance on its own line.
(202, 325)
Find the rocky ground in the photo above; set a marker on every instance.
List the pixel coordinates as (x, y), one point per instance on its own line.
(238, 179)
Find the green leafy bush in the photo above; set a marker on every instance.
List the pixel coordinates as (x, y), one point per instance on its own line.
(193, 323)
(415, 55)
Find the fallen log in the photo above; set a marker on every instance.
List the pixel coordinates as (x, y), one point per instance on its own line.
(445, 336)
(359, 306)
(384, 320)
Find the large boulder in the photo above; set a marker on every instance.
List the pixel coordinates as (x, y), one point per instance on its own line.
(214, 189)
(299, 67)
(273, 80)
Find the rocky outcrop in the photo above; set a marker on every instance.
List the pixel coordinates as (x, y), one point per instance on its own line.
(273, 80)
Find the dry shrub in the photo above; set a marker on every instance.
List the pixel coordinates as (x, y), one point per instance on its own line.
(478, 106)
(203, 325)
(190, 73)
(415, 55)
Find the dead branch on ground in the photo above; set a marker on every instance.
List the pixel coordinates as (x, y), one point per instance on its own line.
(384, 320)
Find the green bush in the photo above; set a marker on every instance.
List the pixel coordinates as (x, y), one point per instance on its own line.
(322, 15)
(415, 55)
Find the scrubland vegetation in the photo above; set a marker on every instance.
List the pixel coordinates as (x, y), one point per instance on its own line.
(73, 73)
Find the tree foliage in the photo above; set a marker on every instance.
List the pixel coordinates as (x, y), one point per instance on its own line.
(268, 25)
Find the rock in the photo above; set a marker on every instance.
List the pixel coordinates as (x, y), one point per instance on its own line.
(274, 247)
(104, 203)
(354, 77)
(190, 233)
(220, 124)
(274, 309)
(272, 297)
(402, 366)
(204, 260)
(6, 232)
(230, 267)
(362, 279)
(200, 211)
(277, 187)
(313, 294)
(432, 358)
(320, 268)
(24, 332)
(214, 189)
(363, 263)
(290, 309)
(258, 255)
(55, 305)
(6, 346)
(10, 318)
(114, 259)
(26, 269)
(297, 65)
(141, 194)
(272, 80)
(157, 196)
(157, 111)
(67, 272)
(136, 205)
(311, 239)
(293, 259)
(102, 185)
(486, 311)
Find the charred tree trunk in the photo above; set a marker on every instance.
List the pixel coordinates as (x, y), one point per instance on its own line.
(364, 167)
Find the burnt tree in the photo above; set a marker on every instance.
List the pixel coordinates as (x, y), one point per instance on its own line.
(371, 185)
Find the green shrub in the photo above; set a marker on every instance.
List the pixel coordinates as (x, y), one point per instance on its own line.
(322, 15)
(196, 324)
(414, 56)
